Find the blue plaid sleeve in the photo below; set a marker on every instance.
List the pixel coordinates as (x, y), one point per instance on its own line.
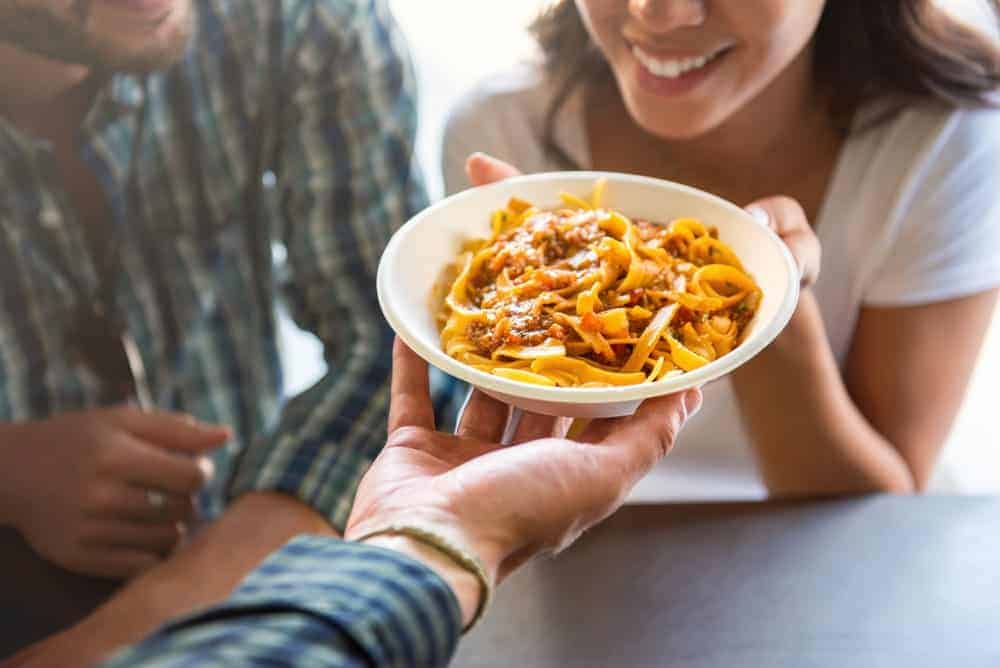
(316, 602)
(350, 179)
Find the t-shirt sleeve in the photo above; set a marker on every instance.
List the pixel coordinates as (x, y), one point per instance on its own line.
(947, 243)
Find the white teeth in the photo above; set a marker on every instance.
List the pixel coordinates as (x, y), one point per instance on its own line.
(673, 68)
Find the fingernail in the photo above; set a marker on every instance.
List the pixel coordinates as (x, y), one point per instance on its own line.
(760, 215)
(207, 467)
(692, 402)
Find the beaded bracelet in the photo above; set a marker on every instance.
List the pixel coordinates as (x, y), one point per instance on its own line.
(467, 560)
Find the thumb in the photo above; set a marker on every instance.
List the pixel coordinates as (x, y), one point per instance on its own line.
(483, 169)
(172, 431)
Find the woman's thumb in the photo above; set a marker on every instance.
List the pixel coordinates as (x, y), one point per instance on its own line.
(483, 169)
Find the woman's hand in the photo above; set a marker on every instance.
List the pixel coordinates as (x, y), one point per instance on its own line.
(484, 169)
(506, 503)
(787, 219)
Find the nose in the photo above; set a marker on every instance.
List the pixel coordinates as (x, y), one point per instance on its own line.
(667, 15)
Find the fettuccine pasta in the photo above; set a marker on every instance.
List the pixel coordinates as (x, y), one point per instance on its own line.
(583, 296)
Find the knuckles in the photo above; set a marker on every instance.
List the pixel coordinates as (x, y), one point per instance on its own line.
(417, 438)
(100, 499)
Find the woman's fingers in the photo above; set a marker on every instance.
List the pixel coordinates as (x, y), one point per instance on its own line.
(483, 169)
(786, 217)
(482, 418)
(410, 405)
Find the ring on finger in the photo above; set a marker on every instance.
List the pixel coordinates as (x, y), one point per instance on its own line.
(157, 500)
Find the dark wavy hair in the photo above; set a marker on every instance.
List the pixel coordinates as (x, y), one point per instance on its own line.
(900, 51)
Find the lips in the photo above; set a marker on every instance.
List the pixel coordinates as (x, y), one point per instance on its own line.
(146, 7)
(675, 75)
(674, 67)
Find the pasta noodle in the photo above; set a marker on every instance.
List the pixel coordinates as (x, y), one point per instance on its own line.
(582, 296)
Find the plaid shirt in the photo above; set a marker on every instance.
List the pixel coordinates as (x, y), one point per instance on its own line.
(340, 177)
(317, 602)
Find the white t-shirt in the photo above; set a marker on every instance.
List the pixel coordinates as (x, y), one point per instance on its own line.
(911, 216)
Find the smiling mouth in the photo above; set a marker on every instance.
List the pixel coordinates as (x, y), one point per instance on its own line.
(674, 68)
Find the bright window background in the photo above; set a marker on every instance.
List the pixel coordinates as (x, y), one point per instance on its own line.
(456, 42)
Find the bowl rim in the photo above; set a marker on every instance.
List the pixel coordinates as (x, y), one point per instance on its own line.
(750, 347)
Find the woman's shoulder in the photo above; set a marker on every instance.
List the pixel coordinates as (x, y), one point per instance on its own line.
(929, 202)
(928, 149)
(930, 130)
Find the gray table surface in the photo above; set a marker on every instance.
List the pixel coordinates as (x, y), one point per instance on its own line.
(870, 582)
(863, 583)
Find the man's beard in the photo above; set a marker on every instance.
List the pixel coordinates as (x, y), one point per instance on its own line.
(67, 38)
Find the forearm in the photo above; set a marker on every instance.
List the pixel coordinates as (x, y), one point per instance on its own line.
(329, 435)
(463, 584)
(318, 601)
(201, 574)
(808, 435)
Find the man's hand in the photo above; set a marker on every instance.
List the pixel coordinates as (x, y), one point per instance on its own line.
(104, 492)
(506, 503)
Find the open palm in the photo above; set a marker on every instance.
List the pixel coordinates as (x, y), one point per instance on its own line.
(507, 502)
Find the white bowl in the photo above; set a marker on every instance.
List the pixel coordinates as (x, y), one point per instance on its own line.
(411, 267)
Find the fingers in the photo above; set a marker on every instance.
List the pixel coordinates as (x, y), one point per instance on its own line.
(483, 169)
(646, 437)
(172, 431)
(534, 426)
(410, 405)
(129, 502)
(482, 418)
(786, 217)
(152, 468)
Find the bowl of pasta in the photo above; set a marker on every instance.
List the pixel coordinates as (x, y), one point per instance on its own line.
(580, 294)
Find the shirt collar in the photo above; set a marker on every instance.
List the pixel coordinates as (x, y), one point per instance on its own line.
(121, 98)
(126, 90)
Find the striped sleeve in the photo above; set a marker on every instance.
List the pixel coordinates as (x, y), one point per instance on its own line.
(350, 179)
(316, 602)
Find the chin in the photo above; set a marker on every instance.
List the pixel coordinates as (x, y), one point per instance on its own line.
(679, 125)
(151, 52)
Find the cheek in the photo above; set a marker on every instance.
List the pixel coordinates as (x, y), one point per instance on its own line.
(603, 20)
(772, 34)
(776, 32)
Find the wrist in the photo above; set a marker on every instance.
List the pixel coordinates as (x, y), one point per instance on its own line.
(804, 329)
(466, 587)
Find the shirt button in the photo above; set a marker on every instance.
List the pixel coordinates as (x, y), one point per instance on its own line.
(50, 218)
